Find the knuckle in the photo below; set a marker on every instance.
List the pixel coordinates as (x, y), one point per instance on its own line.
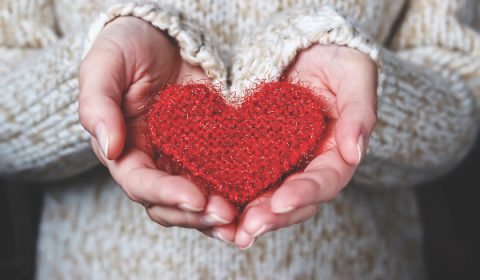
(331, 195)
(327, 185)
(164, 223)
(254, 212)
(167, 188)
(336, 177)
(157, 190)
(126, 182)
(372, 114)
(337, 183)
(295, 198)
(259, 217)
(157, 219)
(84, 110)
(306, 189)
(85, 69)
(191, 221)
(312, 185)
(132, 194)
(310, 188)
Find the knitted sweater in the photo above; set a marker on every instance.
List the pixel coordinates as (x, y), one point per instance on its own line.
(429, 91)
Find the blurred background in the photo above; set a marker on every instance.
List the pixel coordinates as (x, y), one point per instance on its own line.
(450, 209)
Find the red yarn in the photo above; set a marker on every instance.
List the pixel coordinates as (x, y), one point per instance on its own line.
(237, 152)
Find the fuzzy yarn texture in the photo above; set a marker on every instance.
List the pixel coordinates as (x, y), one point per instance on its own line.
(237, 152)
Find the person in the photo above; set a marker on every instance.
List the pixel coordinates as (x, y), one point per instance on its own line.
(402, 80)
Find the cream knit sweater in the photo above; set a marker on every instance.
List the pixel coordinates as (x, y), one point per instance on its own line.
(428, 95)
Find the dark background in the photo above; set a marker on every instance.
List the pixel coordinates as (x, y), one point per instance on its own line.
(19, 214)
(450, 211)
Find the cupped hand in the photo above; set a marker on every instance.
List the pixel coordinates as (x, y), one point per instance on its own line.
(129, 61)
(347, 79)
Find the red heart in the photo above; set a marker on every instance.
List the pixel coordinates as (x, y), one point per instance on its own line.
(238, 152)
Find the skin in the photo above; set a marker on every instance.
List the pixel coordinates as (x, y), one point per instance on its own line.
(130, 59)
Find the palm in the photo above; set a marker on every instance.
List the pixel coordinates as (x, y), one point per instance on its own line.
(136, 100)
(347, 81)
(310, 72)
(151, 61)
(128, 64)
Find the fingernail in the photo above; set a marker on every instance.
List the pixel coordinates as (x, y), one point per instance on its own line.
(212, 219)
(103, 138)
(241, 237)
(283, 210)
(190, 208)
(249, 245)
(263, 229)
(220, 237)
(360, 146)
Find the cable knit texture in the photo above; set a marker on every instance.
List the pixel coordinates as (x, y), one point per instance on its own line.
(40, 135)
(428, 95)
(25, 23)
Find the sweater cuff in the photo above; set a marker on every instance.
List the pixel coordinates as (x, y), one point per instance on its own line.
(426, 123)
(195, 45)
(288, 35)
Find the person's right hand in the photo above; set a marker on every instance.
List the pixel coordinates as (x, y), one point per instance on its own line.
(129, 61)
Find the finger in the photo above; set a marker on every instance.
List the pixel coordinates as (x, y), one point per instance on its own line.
(259, 220)
(102, 83)
(321, 181)
(97, 150)
(169, 217)
(356, 101)
(225, 233)
(218, 212)
(243, 239)
(138, 176)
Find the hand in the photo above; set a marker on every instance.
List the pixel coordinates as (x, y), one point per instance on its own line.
(347, 79)
(130, 61)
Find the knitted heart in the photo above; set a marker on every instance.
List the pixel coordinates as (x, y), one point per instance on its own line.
(241, 151)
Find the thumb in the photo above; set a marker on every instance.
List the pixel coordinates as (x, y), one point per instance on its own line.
(352, 131)
(102, 83)
(356, 100)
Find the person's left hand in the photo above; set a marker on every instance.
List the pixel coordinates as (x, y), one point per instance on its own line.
(347, 79)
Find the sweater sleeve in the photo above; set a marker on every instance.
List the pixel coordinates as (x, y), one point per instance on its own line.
(27, 24)
(195, 43)
(40, 134)
(436, 40)
(426, 121)
(438, 35)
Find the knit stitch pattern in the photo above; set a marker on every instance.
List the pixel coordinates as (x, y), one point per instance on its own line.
(27, 24)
